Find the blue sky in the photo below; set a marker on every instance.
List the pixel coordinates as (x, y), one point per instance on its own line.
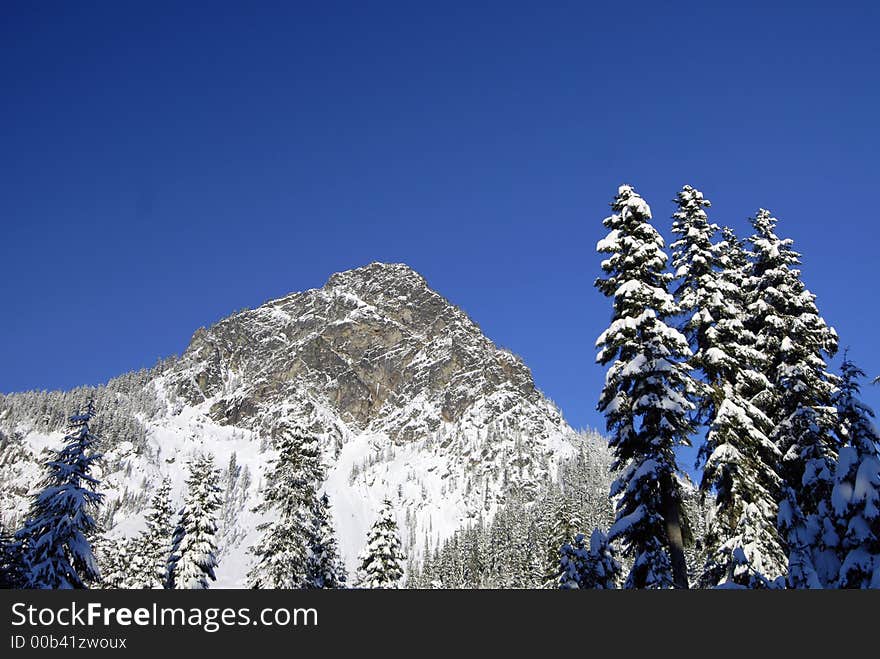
(162, 165)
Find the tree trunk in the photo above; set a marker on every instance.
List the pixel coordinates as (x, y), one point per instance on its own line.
(675, 537)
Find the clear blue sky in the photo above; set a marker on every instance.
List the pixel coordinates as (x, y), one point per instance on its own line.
(162, 166)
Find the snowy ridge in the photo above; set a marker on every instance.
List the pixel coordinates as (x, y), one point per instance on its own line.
(411, 402)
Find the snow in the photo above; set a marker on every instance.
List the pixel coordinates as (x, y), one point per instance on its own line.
(714, 355)
(725, 453)
(636, 204)
(647, 469)
(626, 522)
(867, 479)
(425, 483)
(625, 324)
(635, 366)
(609, 243)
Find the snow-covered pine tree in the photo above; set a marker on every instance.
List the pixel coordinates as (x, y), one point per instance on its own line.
(11, 569)
(583, 567)
(382, 560)
(794, 339)
(324, 567)
(855, 499)
(564, 525)
(695, 261)
(421, 578)
(290, 492)
(153, 546)
(739, 460)
(55, 538)
(193, 555)
(747, 556)
(572, 556)
(115, 560)
(645, 397)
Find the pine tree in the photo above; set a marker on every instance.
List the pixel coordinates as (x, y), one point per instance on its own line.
(739, 460)
(563, 529)
(11, 568)
(645, 398)
(54, 540)
(855, 499)
(382, 561)
(424, 576)
(794, 340)
(193, 554)
(290, 492)
(324, 567)
(749, 557)
(115, 559)
(154, 544)
(581, 567)
(695, 261)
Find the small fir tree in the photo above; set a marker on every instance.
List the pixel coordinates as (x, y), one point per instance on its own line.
(290, 493)
(324, 567)
(593, 567)
(54, 541)
(193, 556)
(382, 561)
(855, 498)
(154, 543)
(563, 528)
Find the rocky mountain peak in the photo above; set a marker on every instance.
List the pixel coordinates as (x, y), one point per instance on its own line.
(375, 346)
(378, 280)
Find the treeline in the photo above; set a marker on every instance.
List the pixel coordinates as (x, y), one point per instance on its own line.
(729, 342)
(519, 546)
(123, 402)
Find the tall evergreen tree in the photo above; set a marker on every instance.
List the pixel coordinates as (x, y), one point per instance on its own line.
(739, 460)
(54, 541)
(855, 499)
(382, 561)
(289, 492)
(645, 397)
(153, 547)
(794, 339)
(324, 566)
(193, 554)
(583, 567)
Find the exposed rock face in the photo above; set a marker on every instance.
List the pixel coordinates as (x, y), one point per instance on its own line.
(368, 345)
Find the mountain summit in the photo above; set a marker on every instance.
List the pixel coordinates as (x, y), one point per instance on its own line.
(375, 347)
(410, 399)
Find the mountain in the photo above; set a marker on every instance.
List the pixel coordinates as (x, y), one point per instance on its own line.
(409, 398)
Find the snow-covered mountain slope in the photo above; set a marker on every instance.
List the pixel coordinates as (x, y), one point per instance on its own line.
(410, 399)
